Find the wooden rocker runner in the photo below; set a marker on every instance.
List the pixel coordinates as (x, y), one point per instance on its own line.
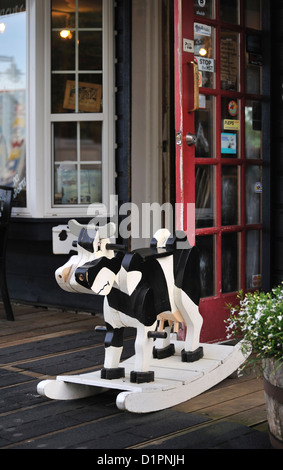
(152, 290)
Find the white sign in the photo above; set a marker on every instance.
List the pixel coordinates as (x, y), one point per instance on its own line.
(205, 65)
(188, 45)
(202, 29)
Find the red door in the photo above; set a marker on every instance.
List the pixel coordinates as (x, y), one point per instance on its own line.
(218, 102)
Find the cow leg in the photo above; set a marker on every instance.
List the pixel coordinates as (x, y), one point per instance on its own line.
(162, 347)
(193, 320)
(143, 350)
(113, 350)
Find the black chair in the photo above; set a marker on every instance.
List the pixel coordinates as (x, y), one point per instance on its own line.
(6, 195)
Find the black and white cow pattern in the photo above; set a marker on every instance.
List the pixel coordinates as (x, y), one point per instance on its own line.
(141, 289)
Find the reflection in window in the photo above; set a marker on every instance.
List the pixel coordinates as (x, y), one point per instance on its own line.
(204, 8)
(78, 160)
(205, 196)
(13, 103)
(253, 127)
(229, 195)
(230, 270)
(253, 13)
(253, 260)
(204, 54)
(204, 127)
(253, 194)
(229, 11)
(206, 247)
(230, 79)
(254, 61)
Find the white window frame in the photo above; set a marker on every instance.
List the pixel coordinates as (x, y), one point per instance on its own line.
(40, 166)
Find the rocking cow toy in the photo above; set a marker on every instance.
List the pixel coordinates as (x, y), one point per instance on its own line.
(152, 290)
(140, 288)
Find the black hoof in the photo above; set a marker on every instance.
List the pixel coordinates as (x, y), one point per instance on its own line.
(164, 352)
(111, 374)
(192, 356)
(141, 377)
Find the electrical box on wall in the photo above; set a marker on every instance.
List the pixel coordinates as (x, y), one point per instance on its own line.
(62, 240)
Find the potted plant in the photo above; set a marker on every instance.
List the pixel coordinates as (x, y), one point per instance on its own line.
(258, 321)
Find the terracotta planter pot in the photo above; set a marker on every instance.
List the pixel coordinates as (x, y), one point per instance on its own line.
(273, 390)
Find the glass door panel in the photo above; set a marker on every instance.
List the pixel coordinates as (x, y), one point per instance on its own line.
(204, 8)
(230, 70)
(230, 195)
(253, 194)
(207, 250)
(253, 259)
(253, 130)
(230, 264)
(205, 54)
(230, 128)
(205, 128)
(205, 196)
(229, 11)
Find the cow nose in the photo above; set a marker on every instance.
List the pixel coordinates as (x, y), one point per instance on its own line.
(65, 273)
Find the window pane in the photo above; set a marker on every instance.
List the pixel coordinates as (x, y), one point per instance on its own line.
(229, 262)
(204, 54)
(253, 194)
(230, 130)
(253, 14)
(90, 13)
(66, 187)
(65, 141)
(204, 128)
(230, 70)
(254, 61)
(91, 141)
(90, 92)
(90, 50)
(13, 104)
(253, 261)
(204, 8)
(91, 184)
(63, 14)
(229, 11)
(205, 196)
(230, 214)
(253, 125)
(62, 98)
(63, 52)
(206, 247)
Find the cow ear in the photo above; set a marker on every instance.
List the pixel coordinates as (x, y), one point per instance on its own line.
(107, 231)
(75, 227)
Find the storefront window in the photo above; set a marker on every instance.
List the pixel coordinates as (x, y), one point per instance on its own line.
(77, 89)
(13, 98)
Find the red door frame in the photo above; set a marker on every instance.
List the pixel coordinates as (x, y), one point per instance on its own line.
(214, 309)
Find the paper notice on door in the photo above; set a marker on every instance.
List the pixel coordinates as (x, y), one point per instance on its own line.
(229, 143)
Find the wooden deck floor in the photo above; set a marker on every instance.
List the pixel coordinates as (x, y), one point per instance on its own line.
(43, 343)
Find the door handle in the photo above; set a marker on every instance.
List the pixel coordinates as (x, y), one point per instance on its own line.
(191, 139)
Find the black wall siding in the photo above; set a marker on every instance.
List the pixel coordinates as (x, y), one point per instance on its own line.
(123, 55)
(276, 142)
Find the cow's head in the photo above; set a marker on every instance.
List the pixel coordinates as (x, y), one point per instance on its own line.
(92, 244)
(100, 274)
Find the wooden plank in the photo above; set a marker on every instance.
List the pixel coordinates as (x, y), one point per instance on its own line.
(230, 389)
